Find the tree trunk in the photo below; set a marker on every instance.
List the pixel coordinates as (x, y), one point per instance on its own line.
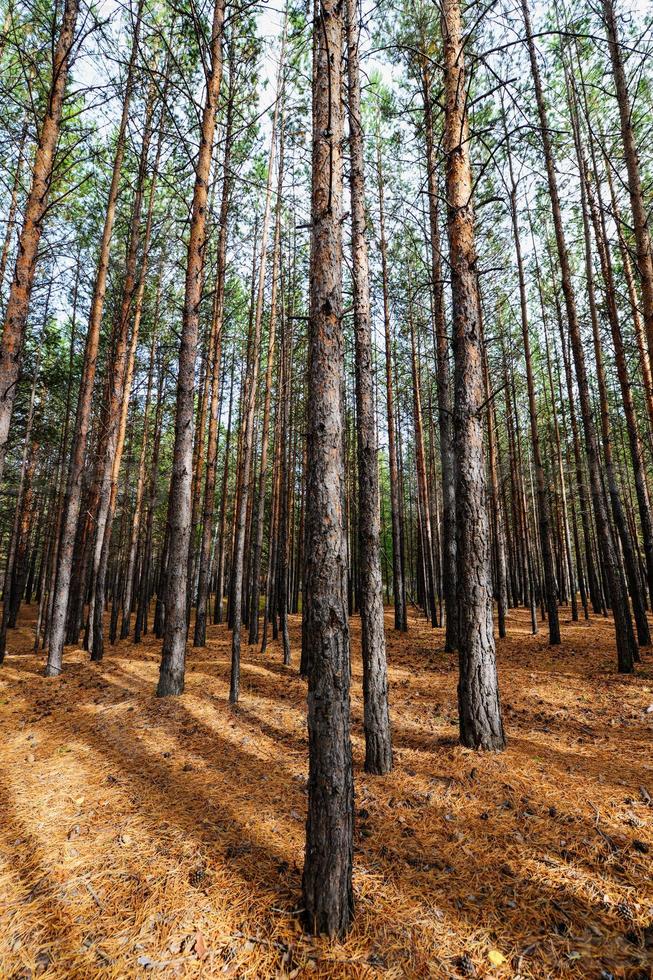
(478, 690)
(199, 637)
(327, 879)
(398, 582)
(378, 740)
(122, 370)
(173, 657)
(259, 510)
(543, 508)
(13, 334)
(444, 386)
(626, 645)
(13, 205)
(75, 484)
(247, 433)
(638, 205)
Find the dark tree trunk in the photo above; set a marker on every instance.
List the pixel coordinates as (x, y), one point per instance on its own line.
(327, 880)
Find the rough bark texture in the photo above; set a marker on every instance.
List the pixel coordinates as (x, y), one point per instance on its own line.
(173, 658)
(327, 880)
(478, 690)
(378, 741)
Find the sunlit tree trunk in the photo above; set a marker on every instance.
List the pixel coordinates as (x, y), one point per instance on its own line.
(478, 690)
(36, 205)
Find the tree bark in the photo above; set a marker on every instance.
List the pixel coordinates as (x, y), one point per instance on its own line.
(327, 879)
(478, 690)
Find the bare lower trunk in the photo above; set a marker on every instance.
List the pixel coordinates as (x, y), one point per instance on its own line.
(327, 879)
(478, 690)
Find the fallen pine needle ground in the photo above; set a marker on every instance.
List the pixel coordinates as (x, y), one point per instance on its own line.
(165, 837)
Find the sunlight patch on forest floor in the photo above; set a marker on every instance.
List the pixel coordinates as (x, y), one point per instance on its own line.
(166, 837)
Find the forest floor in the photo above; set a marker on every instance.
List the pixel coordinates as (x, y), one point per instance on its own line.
(166, 837)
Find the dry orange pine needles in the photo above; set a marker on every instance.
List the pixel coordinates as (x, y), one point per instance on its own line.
(165, 837)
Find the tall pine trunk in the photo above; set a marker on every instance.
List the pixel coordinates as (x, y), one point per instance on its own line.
(75, 483)
(626, 645)
(36, 205)
(327, 879)
(173, 656)
(378, 741)
(478, 689)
